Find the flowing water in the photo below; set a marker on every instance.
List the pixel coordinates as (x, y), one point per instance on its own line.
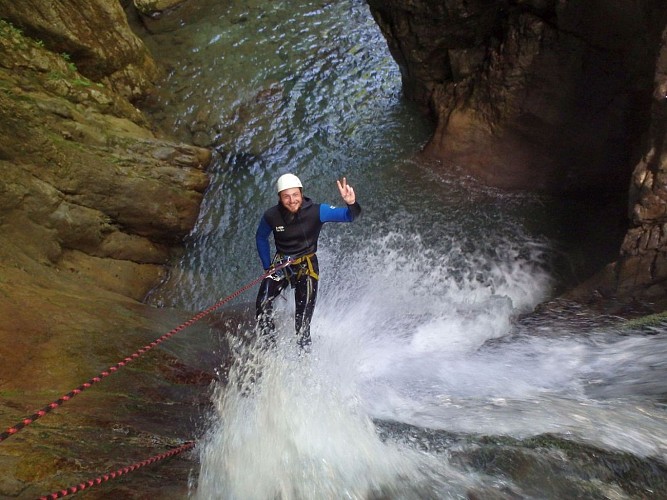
(426, 377)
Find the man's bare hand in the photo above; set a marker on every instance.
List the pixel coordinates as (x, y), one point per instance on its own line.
(346, 191)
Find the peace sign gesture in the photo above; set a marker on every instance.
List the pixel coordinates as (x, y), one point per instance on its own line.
(346, 191)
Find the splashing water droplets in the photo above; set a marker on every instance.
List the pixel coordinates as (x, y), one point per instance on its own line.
(295, 430)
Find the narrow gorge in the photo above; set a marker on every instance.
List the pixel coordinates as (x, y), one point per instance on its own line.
(567, 98)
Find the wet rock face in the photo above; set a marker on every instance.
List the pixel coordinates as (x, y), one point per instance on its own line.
(539, 95)
(86, 185)
(547, 95)
(93, 206)
(154, 8)
(93, 33)
(643, 259)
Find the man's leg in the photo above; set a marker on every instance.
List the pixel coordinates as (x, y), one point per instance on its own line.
(304, 296)
(269, 289)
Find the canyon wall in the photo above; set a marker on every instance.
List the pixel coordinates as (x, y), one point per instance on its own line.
(94, 205)
(562, 97)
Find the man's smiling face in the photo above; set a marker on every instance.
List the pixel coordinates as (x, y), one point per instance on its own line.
(291, 199)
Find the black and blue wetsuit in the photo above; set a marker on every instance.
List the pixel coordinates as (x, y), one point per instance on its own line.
(295, 237)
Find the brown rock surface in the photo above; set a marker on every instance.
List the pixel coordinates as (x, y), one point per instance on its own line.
(82, 173)
(152, 7)
(95, 34)
(539, 95)
(92, 207)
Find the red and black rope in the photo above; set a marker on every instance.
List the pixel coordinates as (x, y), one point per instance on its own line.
(113, 475)
(112, 369)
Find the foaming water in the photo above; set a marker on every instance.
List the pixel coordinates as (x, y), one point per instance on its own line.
(436, 345)
(409, 335)
(301, 426)
(294, 427)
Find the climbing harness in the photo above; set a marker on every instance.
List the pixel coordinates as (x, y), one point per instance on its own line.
(55, 404)
(303, 265)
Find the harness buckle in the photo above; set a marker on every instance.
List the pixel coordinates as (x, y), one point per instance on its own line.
(277, 276)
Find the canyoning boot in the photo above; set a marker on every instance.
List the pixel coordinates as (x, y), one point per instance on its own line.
(303, 341)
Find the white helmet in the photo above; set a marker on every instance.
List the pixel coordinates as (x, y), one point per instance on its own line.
(288, 181)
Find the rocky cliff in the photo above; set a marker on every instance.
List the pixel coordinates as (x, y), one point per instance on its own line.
(93, 206)
(565, 97)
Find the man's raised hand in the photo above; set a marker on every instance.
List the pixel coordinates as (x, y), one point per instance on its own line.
(346, 191)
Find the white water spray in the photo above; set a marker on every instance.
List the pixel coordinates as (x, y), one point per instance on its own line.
(291, 427)
(425, 341)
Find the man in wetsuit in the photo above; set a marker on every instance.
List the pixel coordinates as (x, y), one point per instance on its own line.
(296, 223)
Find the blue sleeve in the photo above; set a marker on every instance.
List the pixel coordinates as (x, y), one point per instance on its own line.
(262, 241)
(329, 213)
